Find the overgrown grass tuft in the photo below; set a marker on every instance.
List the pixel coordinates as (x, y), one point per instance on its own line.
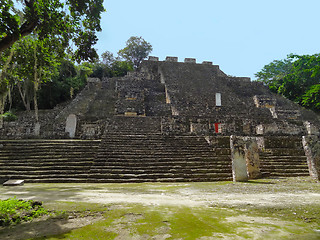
(13, 211)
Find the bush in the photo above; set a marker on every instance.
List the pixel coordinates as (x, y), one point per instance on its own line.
(9, 116)
(14, 211)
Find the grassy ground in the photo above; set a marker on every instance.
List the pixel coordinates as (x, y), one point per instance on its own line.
(287, 208)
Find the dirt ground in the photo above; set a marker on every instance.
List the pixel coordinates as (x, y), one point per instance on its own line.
(286, 208)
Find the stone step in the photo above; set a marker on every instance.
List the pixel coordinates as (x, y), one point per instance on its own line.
(42, 172)
(43, 166)
(18, 175)
(285, 169)
(159, 175)
(50, 147)
(157, 156)
(135, 180)
(282, 142)
(72, 179)
(47, 155)
(270, 156)
(159, 168)
(162, 161)
(294, 174)
(181, 170)
(157, 147)
(287, 152)
(46, 159)
(283, 161)
(123, 161)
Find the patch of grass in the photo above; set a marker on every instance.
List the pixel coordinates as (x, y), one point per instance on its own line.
(14, 211)
(9, 116)
(135, 221)
(188, 223)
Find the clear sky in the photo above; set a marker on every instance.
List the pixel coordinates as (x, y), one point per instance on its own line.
(239, 35)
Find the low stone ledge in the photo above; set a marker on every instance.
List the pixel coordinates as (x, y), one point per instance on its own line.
(13, 183)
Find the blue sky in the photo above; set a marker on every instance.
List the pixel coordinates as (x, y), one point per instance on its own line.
(239, 35)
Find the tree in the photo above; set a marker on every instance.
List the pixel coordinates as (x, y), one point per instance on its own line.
(297, 78)
(68, 81)
(304, 75)
(53, 19)
(311, 99)
(135, 51)
(33, 63)
(272, 73)
(108, 59)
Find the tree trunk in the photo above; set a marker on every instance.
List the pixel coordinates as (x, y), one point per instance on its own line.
(3, 96)
(25, 101)
(36, 85)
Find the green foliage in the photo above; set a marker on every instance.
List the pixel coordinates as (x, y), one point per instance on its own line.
(110, 66)
(297, 78)
(135, 51)
(120, 68)
(63, 86)
(311, 99)
(13, 210)
(34, 62)
(9, 116)
(56, 20)
(273, 73)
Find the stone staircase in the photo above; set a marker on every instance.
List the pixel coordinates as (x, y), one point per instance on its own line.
(127, 157)
(47, 160)
(283, 157)
(123, 156)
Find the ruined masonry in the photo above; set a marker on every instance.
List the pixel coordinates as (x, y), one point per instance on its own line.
(169, 121)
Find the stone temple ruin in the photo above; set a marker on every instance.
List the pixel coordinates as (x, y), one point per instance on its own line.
(169, 121)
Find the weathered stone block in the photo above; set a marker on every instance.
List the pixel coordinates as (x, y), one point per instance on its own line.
(71, 125)
(239, 164)
(311, 145)
(13, 183)
(252, 158)
(207, 63)
(245, 158)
